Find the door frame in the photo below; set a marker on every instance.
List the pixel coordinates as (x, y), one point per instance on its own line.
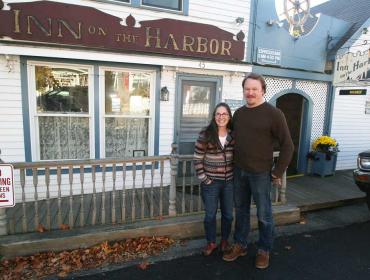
(306, 126)
(197, 78)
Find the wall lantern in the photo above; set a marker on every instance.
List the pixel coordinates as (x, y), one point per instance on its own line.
(165, 94)
(239, 20)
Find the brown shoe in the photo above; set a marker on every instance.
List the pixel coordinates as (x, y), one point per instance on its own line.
(224, 246)
(262, 259)
(208, 250)
(235, 252)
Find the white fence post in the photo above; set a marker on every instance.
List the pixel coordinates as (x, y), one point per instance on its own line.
(172, 196)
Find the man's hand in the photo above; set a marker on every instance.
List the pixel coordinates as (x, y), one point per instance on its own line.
(276, 180)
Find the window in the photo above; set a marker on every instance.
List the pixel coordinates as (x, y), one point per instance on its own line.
(127, 113)
(174, 6)
(166, 4)
(60, 112)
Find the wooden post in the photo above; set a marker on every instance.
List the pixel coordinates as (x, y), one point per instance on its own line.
(174, 164)
(283, 189)
(3, 220)
(3, 223)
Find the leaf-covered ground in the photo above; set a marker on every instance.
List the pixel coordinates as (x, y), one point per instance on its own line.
(62, 263)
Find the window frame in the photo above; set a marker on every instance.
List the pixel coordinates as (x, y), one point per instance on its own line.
(139, 4)
(152, 109)
(181, 6)
(34, 115)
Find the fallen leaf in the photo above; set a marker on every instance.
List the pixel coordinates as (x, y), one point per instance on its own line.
(66, 268)
(64, 227)
(143, 265)
(41, 228)
(105, 247)
(62, 274)
(36, 263)
(20, 266)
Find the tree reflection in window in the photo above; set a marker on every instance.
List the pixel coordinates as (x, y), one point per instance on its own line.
(196, 101)
(61, 89)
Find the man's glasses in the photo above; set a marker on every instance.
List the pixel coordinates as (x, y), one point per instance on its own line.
(218, 115)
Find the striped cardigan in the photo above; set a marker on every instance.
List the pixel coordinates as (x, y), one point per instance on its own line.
(212, 162)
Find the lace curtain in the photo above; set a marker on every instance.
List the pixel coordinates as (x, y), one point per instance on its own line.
(64, 137)
(123, 136)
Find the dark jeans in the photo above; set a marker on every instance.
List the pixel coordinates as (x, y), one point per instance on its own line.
(258, 186)
(218, 191)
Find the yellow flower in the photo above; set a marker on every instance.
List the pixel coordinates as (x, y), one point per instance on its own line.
(325, 143)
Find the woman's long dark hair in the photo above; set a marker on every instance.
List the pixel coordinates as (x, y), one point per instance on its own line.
(211, 131)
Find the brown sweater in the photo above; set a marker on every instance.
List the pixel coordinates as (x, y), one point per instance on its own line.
(256, 131)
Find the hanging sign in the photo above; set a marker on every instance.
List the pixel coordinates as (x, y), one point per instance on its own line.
(351, 67)
(6, 186)
(57, 23)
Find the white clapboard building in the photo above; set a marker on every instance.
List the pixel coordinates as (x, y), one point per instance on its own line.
(85, 79)
(351, 103)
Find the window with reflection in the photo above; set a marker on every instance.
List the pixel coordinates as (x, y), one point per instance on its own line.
(195, 101)
(127, 113)
(62, 112)
(166, 4)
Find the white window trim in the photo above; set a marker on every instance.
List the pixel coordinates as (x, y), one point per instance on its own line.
(150, 117)
(33, 114)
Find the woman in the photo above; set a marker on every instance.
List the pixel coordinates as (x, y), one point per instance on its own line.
(214, 167)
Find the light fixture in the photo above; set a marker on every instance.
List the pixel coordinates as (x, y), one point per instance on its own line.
(9, 63)
(239, 20)
(271, 22)
(165, 94)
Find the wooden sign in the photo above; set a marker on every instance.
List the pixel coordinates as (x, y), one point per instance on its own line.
(73, 25)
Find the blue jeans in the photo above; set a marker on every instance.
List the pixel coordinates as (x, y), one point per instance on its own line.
(218, 191)
(258, 186)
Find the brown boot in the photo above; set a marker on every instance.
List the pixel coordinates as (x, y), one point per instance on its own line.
(235, 252)
(262, 259)
(224, 246)
(209, 249)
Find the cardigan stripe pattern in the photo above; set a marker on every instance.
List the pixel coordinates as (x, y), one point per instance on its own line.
(212, 162)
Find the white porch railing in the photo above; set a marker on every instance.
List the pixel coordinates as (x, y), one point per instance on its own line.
(81, 193)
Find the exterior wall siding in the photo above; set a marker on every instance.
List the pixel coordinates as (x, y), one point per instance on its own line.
(11, 124)
(350, 127)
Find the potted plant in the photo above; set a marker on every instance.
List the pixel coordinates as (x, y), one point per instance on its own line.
(324, 156)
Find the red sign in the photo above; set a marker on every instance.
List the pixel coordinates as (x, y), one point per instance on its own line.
(65, 24)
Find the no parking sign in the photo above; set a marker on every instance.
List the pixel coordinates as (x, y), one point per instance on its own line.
(6, 186)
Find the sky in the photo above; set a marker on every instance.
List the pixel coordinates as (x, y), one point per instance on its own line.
(317, 2)
(280, 6)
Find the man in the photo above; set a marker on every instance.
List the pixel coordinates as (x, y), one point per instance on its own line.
(258, 126)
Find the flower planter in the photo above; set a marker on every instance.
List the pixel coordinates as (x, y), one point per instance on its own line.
(323, 164)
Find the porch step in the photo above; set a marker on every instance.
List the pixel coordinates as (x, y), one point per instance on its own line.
(178, 228)
(330, 204)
